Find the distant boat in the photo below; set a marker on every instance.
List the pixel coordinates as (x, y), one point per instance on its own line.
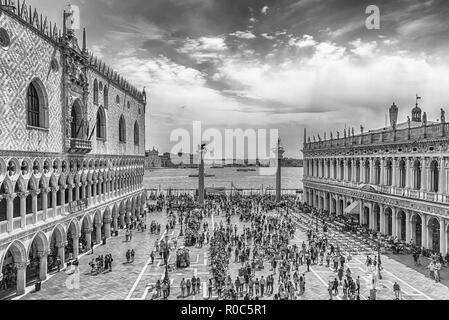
(206, 175)
(246, 170)
(217, 167)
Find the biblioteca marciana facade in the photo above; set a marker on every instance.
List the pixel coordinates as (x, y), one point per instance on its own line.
(393, 180)
(72, 146)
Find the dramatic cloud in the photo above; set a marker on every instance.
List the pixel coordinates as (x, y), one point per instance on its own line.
(284, 64)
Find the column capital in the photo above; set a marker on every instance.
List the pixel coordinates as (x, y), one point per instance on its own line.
(88, 230)
(20, 265)
(42, 254)
(61, 244)
(23, 195)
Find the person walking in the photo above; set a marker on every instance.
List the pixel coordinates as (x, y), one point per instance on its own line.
(193, 285)
(132, 255)
(329, 289)
(397, 290)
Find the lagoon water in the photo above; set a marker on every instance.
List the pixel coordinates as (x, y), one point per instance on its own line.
(179, 179)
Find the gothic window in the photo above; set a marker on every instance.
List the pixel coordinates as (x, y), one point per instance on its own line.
(95, 92)
(3, 205)
(136, 133)
(77, 121)
(117, 99)
(129, 105)
(105, 97)
(357, 171)
(101, 124)
(37, 115)
(342, 170)
(122, 129)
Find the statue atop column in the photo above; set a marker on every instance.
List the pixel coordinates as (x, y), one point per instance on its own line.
(443, 118)
(352, 131)
(424, 119)
(361, 129)
(338, 135)
(331, 135)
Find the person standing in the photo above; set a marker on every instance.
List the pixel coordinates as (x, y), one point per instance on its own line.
(188, 285)
(329, 289)
(209, 287)
(262, 286)
(193, 285)
(183, 287)
(198, 285)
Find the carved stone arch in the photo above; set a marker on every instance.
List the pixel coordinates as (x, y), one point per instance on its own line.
(83, 177)
(19, 252)
(88, 220)
(43, 182)
(107, 214)
(7, 185)
(62, 181)
(53, 181)
(20, 185)
(76, 223)
(42, 240)
(60, 232)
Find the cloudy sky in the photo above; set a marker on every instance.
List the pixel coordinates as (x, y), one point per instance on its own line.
(285, 64)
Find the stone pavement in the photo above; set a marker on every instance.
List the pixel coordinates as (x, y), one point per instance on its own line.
(135, 281)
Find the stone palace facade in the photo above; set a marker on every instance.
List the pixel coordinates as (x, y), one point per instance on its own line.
(72, 147)
(393, 180)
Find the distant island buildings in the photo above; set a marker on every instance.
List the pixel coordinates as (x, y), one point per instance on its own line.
(154, 160)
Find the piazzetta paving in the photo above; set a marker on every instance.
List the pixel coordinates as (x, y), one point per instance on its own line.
(137, 280)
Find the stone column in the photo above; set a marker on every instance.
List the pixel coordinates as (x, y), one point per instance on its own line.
(70, 193)
(42, 264)
(408, 174)
(89, 190)
(76, 246)
(424, 231)
(62, 197)
(382, 219)
(10, 211)
(98, 233)
(371, 216)
(424, 169)
(442, 236)
(115, 223)
(23, 210)
(94, 192)
(34, 205)
(361, 216)
(383, 171)
(408, 231)
(107, 228)
(77, 191)
(394, 173)
(83, 190)
(21, 277)
(61, 252)
(88, 237)
(44, 203)
(394, 222)
(442, 178)
(55, 199)
(372, 177)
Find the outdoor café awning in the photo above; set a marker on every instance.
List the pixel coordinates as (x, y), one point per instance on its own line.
(353, 208)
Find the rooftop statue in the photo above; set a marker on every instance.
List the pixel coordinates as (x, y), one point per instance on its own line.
(443, 118)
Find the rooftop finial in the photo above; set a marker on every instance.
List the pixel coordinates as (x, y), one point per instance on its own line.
(84, 41)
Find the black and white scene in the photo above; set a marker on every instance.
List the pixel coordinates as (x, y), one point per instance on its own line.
(201, 151)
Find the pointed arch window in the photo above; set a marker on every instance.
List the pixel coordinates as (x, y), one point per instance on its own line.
(105, 97)
(136, 134)
(122, 129)
(37, 110)
(95, 91)
(101, 124)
